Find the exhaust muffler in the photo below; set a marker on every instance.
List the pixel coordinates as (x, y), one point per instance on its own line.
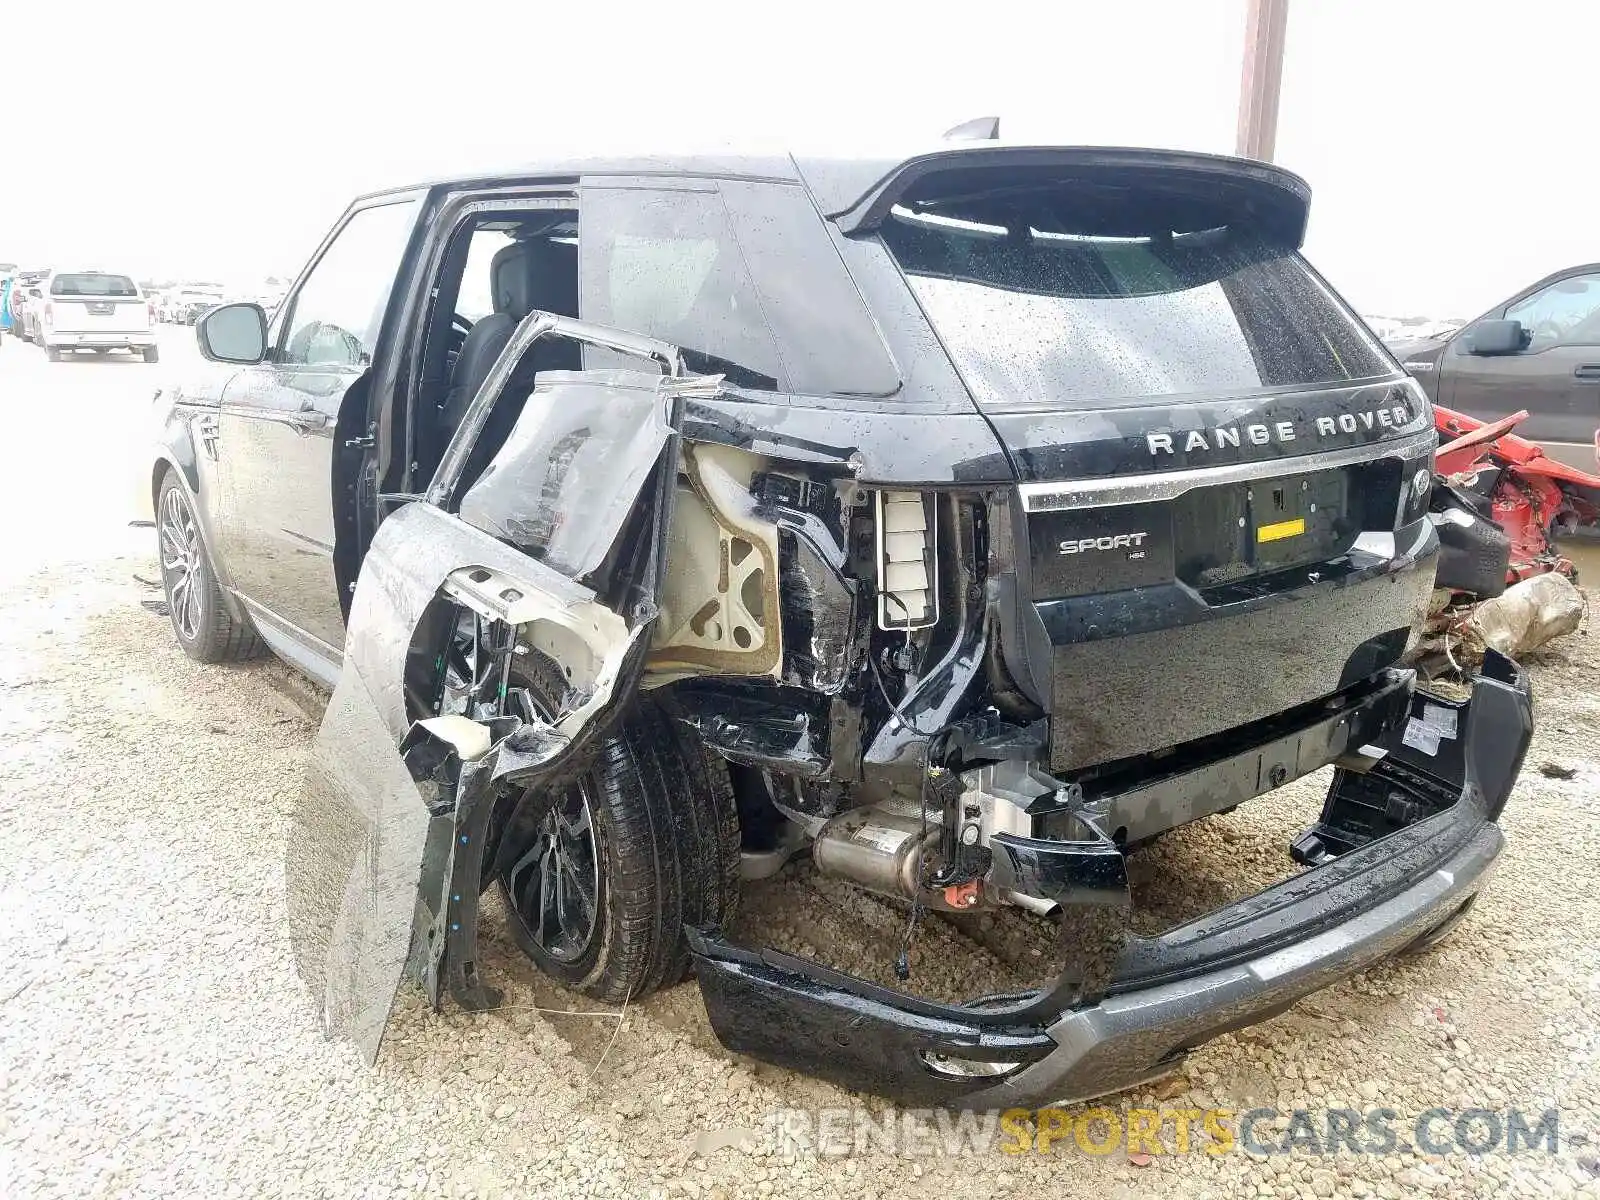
(896, 853)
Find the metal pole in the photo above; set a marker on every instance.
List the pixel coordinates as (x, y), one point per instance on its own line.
(1264, 27)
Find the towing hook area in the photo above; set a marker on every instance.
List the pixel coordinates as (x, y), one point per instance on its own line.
(1402, 850)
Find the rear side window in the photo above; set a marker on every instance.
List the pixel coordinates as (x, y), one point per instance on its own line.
(1038, 309)
(744, 280)
(90, 283)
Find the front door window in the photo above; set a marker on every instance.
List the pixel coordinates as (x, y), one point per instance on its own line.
(336, 313)
(1567, 311)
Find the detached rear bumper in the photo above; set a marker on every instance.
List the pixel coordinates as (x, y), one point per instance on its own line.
(1231, 968)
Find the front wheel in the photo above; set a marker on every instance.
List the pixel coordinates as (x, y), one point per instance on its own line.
(601, 877)
(204, 627)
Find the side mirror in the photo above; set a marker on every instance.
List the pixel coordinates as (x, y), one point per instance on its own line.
(1496, 337)
(233, 333)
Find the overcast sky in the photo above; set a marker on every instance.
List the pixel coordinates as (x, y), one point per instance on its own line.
(1441, 137)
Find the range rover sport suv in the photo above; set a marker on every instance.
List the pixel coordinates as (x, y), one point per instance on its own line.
(960, 520)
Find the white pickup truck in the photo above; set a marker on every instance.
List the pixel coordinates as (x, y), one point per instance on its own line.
(90, 310)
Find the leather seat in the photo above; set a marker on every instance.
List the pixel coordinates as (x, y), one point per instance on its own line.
(524, 277)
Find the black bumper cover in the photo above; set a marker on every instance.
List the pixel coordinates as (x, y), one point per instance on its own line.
(1233, 967)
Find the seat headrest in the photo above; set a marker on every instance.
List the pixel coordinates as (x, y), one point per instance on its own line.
(539, 274)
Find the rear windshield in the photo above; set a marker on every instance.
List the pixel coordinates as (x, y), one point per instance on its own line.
(93, 284)
(1036, 312)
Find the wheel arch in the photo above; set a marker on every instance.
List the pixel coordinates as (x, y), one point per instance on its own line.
(174, 462)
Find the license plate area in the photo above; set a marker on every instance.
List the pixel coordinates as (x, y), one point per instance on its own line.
(1234, 531)
(1298, 519)
(101, 308)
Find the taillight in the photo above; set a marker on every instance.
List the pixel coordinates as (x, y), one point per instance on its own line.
(49, 312)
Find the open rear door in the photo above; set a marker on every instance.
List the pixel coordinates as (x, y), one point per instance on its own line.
(558, 552)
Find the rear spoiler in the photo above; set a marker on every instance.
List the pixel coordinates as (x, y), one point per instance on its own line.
(857, 196)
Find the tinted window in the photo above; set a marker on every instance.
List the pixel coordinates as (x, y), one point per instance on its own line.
(745, 281)
(1035, 312)
(827, 339)
(666, 264)
(1566, 311)
(92, 284)
(334, 317)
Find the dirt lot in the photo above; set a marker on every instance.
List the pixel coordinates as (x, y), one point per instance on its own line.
(154, 1040)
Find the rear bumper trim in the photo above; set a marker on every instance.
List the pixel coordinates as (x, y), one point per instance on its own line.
(784, 1010)
(1169, 485)
(109, 340)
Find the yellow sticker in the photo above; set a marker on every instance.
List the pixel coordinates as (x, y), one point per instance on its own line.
(1281, 530)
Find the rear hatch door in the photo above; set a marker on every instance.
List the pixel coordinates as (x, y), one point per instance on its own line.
(1200, 428)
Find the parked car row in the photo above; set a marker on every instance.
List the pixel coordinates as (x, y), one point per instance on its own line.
(186, 304)
(63, 312)
(24, 311)
(66, 311)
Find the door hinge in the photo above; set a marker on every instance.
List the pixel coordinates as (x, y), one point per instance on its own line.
(364, 442)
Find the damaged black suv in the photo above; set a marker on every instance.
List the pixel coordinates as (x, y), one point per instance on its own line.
(961, 520)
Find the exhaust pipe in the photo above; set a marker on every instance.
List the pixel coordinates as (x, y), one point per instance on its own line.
(1037, 905)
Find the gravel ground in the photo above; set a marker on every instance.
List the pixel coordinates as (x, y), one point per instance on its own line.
(154, 1039)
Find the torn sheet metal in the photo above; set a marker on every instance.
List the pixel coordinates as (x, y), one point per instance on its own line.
(572, 469)
(360, 834)
(720, 601)
(461, 774)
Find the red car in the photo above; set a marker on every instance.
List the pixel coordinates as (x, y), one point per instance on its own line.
(1514, 483)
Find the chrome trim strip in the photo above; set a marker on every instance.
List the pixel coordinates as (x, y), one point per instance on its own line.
(1169, 485)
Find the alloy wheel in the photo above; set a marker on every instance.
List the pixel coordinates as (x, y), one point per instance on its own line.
(554, 885)
(181, 563)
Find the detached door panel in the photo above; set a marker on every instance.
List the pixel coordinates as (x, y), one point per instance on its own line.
(278, 421)
(371, 856)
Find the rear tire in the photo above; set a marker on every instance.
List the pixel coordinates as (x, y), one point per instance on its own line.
(205, 629)
(152, 354)
(54, 355)
(664, 854)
